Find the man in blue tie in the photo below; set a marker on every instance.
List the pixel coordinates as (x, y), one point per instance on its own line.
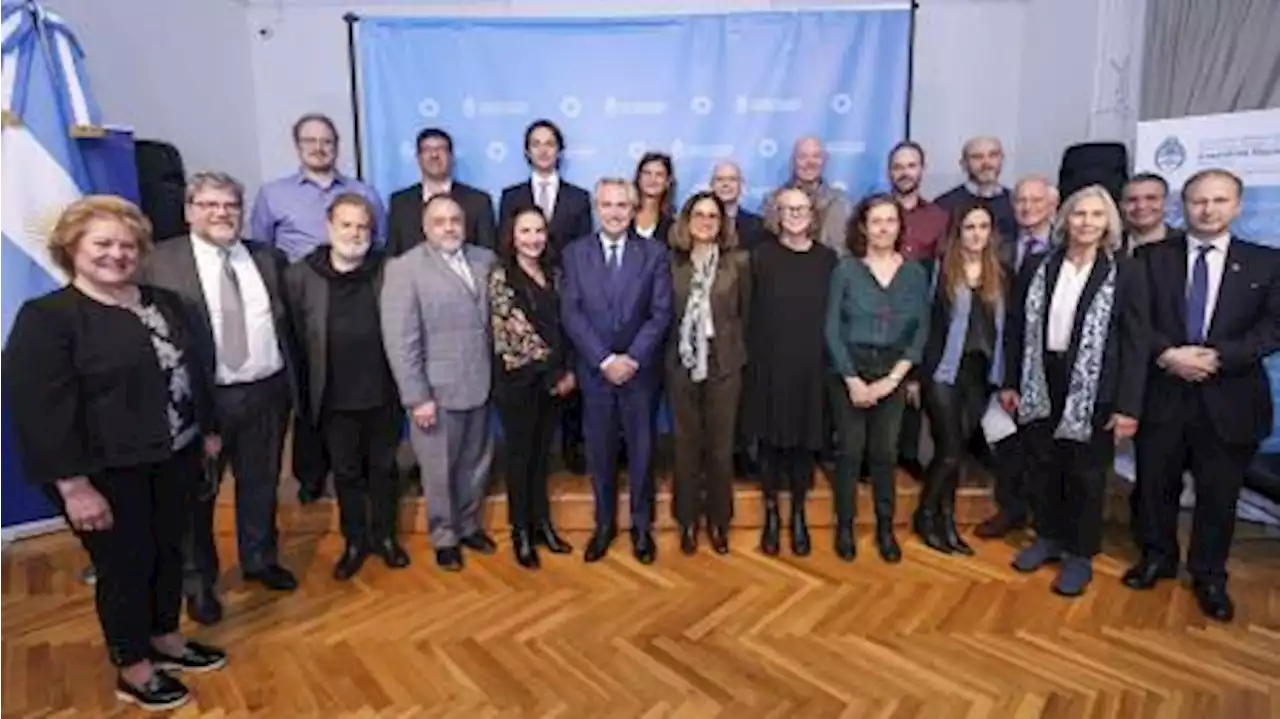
(616, 308)
(1215, 313)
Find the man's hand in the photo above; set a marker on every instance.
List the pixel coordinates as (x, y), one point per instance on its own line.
(1123, 426)
(424, 415)
(87, 510)
(624, 368)
(1010, 400)
(212, 446)
(1190, 363)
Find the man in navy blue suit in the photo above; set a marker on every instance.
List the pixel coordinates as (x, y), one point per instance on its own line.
(616, 308)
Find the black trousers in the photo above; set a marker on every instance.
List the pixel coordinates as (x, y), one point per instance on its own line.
(787, 469)
(706, 415)
(869, 434)
(138, 561)
(528, 412)
(362, 448)
(252, 419)
(310, 455)
(1164, 450)
(1070, 477)
(954, 411)
(1011, 468)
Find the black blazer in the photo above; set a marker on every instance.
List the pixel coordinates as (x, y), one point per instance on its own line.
(570, 218)
(940, 324)
(172, 265)
(84, 387)
(1245, 328)
(751, 230)
(1126, 356)
(404, 218)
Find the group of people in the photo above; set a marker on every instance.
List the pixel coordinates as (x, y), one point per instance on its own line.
(821, 326)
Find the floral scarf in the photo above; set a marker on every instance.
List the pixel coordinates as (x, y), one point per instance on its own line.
(696, 326)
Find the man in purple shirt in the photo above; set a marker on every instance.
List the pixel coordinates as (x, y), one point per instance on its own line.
(289, 213)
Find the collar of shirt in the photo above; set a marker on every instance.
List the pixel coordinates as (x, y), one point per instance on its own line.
(201, 246)
(607, 243)
(552, 180)
(428, 193)
(976, 191)
(302, 179)
(1219, 243)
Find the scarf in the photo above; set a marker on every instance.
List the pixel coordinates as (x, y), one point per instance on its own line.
(696, 326)
(958, 330)
(1082, 386)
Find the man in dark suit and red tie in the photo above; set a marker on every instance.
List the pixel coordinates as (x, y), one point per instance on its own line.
(1215, 313)
(616, 308)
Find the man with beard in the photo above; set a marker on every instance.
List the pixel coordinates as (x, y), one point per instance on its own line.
(982, 159)
(435, 162)
(831, 208)
(1143, 206)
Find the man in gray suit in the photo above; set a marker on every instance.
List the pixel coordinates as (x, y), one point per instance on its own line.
(435, 325)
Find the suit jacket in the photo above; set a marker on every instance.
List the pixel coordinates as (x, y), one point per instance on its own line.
(1245, 327)
(629, 313)
(730, 309)
(570, 218)
(308, 300)
(1127, 353)
(436, 329)
(935, 344)
(172, 265)
(751, 230)
(404, 223)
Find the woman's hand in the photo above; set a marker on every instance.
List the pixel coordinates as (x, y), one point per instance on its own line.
(882, 388)
(1009, 400)
(87, 510)
(565, 386)
(913, 394)
(1123, 426)
(859, 392)
(212, 446)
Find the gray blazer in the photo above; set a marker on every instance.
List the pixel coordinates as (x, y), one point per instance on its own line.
(437, 331)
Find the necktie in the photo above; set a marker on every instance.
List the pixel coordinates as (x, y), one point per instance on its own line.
(235, 335)
(1198, 296)
(614, 259)
(458, 262)
(544, 198)
(1031, 246)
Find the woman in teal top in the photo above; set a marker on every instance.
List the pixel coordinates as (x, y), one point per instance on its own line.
(877, 321)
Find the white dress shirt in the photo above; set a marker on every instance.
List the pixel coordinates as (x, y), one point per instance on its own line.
(264, 347)
(1216, 260)
(1063, 306)
(444, 189)
(552, 183)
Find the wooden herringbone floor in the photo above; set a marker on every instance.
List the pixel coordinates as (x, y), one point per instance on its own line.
(736, 636)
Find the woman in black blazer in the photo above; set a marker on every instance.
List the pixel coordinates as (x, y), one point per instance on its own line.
(655, 183)
(532, 375)
(112, 419)
(1077, 352)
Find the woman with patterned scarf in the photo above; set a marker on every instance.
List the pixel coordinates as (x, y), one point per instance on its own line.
(1076, 352)
(711, 280)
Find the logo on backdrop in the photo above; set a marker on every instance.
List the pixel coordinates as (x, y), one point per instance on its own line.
(701, 105)
(613, 107)
(570, 106)
(845, 147)
(1170, 154)
(841, 103)
(428, 107)
(744, 105)
(472, 107)
(636, 150)
(767, 147)
(497, 150)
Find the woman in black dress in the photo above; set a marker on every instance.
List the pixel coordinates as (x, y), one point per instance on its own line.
(784, 404)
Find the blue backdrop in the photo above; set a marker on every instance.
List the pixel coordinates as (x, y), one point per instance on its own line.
(742, 86)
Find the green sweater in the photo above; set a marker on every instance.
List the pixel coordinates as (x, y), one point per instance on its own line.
(861, 312)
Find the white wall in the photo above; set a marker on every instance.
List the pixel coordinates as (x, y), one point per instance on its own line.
(176, 70)
(224, 79)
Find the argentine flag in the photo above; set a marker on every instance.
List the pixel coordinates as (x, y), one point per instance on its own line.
(47, 104)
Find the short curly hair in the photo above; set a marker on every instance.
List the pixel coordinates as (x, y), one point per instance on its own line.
(74, 222)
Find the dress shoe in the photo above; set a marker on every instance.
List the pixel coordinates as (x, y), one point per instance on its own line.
(159, 693)
(1148, 572)
(195, 657)
(1040, 553)
(951, 535)
(522, 546)
(800, 542)
(998, 526)
(689, 541)
(449, 559)
(273, 576)
(769, 533)
(719, 539)
(1214, 601)
(350, 562)
(846, 544)
(929, 528)
(203, 607)
(480, 543)
(392, 553)
(598, 547)
(545, 534)
(1074, 577)
(645, 550)
(886, 543)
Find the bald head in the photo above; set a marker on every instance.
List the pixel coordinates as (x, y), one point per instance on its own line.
(1035, 199)
(808, 160)
(982, 159)
(726, 182)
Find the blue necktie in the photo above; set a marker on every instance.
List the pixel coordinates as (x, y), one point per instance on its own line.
(614, 258)
(1198, 296)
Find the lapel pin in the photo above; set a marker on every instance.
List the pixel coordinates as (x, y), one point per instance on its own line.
(1235, 266)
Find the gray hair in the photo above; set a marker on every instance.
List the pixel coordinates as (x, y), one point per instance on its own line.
(632, 193)
(726, 163)
(1054, 194)
(1115, 227)
(207, 180)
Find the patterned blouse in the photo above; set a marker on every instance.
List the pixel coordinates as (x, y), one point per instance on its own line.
(182, 407)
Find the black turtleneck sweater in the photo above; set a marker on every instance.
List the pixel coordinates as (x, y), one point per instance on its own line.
(358, 376)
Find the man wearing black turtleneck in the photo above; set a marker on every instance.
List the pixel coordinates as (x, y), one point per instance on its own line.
(350, 393)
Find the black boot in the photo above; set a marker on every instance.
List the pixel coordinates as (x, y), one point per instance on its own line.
(689, 540)
(948, 519)
(545, 534)
(890, 552)
(770, 534)
(799, 527)
(525, 551)
(846, 545)
(927, 520)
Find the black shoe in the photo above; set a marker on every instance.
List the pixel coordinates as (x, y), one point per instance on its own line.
(273, 576)
(770, 539)
(928, 527)
(545, 534)
(203, 607)
(800, 545)
(160, 693)
(449, 559)
(392, 553)
(689, 540)
(480, 543)
(643, 547)
(350, 562)
(999, 525)
(1214, 601)
(1148, 572)
(887, 544)
(195, 657)
(951, 535)
(598, 547)
(846, 544)
(522, 546)
(308, 493)
(719, 539)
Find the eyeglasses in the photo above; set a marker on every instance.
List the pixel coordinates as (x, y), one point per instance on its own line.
(206, 206)
(317, 142)
(706, 216)
(796, 210)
